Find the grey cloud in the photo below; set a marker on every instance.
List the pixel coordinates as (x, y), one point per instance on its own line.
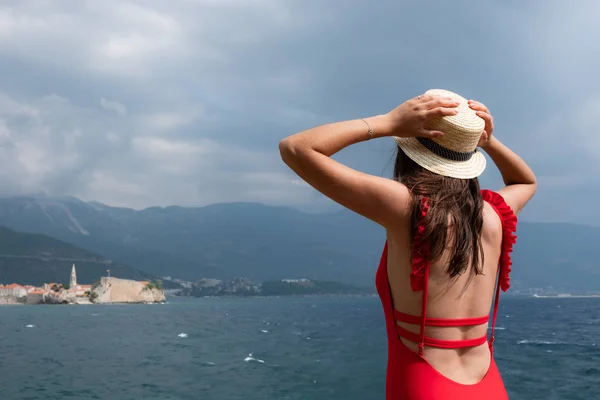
(184, 103)
(113, 106)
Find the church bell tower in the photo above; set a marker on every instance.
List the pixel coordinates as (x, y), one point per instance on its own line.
(73, 281)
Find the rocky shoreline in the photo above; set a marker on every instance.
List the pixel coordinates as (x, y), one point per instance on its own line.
(108, 291)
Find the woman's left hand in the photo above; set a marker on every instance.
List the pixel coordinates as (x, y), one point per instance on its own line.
(484, 113)
(409, 118)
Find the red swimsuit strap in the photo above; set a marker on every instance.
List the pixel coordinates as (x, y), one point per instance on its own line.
(443, 322)
(421, 251)
(509, 227)
(444, 344)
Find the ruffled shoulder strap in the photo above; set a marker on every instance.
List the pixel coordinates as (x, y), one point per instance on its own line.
(509, 227)
(420, 249)
(420, 252)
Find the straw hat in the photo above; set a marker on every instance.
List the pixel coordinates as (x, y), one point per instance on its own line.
(455, 154)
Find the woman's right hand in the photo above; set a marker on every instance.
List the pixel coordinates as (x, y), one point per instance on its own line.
(409, 118)
(484, 113)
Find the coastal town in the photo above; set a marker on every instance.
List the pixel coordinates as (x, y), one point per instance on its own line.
(106, 290)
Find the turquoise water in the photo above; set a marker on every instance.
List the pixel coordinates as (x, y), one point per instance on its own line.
(310, 348)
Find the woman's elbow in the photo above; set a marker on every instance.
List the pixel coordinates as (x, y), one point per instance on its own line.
(534, 187)
(284, 149)
(533, 182)
(289, 149)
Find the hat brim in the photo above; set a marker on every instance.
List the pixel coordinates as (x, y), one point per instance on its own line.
(469, 169)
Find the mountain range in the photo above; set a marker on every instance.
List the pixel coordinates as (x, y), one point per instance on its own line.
(264, 243)
(35, 259)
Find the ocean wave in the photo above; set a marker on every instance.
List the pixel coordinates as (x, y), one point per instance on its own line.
(540, 342)
(553, 343)
(251, 358)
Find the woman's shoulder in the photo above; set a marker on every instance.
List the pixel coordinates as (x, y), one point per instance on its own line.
(499, 205)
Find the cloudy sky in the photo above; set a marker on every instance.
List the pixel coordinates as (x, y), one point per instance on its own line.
(142, 103)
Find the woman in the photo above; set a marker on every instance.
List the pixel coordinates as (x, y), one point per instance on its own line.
(448, 243)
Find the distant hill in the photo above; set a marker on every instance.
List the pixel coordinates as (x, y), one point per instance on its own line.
(218, 241)
(269, 243)
(35, 259)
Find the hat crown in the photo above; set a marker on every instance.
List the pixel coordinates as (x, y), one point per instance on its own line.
(462, 131)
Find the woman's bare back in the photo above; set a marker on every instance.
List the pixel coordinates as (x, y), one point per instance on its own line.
(465, 296)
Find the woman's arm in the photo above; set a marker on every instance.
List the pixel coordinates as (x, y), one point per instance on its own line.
(518, 177)
(308, 153)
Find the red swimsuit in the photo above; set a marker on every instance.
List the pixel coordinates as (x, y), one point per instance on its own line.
(409, 375)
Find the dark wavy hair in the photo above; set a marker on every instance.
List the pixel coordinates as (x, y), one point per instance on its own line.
(454, 218)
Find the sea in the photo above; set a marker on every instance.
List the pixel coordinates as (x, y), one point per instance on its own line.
(270, 348)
